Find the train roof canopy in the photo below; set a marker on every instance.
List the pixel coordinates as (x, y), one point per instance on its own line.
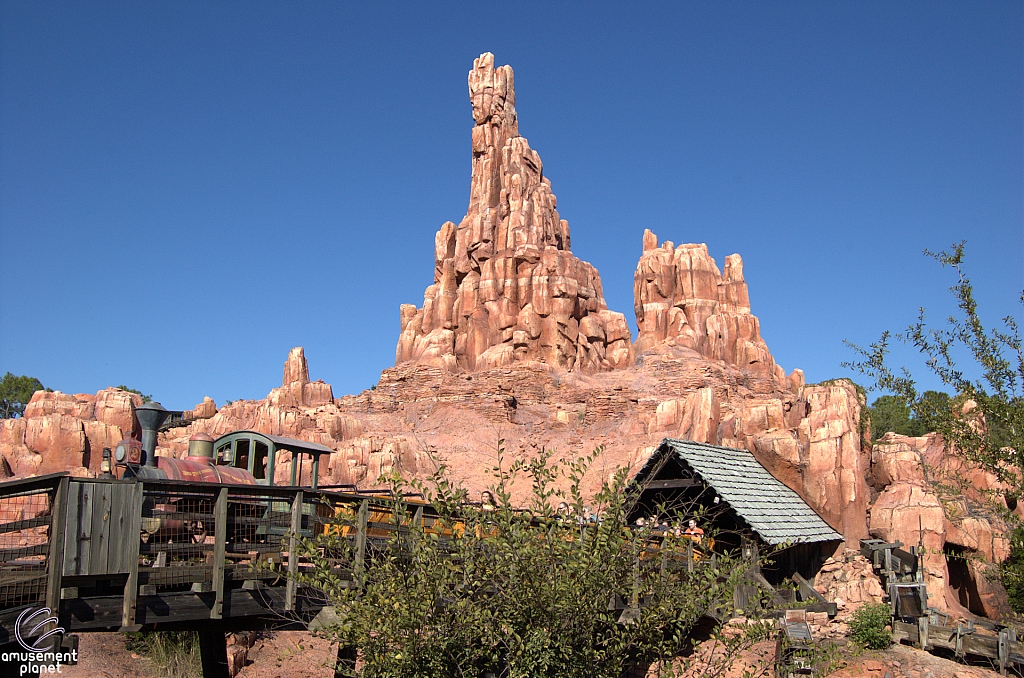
(278, 441)
(773, 511)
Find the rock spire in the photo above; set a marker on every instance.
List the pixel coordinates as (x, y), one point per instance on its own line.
(506, 287)
(682, 299)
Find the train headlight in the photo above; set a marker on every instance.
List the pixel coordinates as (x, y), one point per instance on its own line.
(120, 453)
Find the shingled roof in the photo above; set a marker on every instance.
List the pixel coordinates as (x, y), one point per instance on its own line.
(775, 512)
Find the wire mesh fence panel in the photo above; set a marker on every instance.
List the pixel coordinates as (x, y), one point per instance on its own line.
(25, 520)
(178, 526)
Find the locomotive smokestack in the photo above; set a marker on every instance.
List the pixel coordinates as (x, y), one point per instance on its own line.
(150, 416)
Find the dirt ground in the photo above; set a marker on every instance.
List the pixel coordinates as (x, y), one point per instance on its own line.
(902, 661)
(290, 654)
(296, 654)
(103, 655)
(285, 654)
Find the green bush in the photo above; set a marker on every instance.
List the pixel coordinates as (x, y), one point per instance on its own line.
(517, 590)
(868, 626)
(15, 392)
(1012, 570)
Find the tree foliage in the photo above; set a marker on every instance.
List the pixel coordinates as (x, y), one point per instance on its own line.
(984, 420)
(15, 392)
(145, 398)
(892, 413)
(492, 589)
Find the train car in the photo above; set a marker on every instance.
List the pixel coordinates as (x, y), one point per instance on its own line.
(258, 453)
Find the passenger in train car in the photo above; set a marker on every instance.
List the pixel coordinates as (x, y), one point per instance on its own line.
(693, 532)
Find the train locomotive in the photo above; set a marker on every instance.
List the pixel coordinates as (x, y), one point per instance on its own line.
(237, 458)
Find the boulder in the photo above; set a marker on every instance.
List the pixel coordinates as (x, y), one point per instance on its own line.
(59, 439)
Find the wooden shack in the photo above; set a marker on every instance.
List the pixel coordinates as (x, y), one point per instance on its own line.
(734, 497)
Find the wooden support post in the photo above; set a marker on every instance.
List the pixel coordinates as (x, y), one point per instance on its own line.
(922, 632)
(807, 591)
(689, 555)
(55, 556)
(363, 524)
(130, 557)
(1003, 650)
(293, 559)
(634, 597)
(220, 531)
(213, 652)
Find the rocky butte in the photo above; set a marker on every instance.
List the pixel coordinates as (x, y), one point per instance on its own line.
(514, 341)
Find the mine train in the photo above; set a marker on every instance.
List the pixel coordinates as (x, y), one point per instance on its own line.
(251, 458)
(237, 458)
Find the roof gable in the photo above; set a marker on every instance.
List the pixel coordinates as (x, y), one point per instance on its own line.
(774, 511)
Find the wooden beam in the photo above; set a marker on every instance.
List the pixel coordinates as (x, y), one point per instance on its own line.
(130, 558)
(27, 524)
(55, 556)
(242, 609)
(213, 653)
(293, 558)
(220, 538)
(359, 566)
(807, 590)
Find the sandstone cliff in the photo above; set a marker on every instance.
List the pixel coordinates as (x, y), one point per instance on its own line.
(62, 432)
(506, 287)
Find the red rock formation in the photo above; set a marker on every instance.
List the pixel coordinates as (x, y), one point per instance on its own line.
(62, 432)
(203, 410)
(931, 497)
(506, 287)
(682, 299)
(849, 580)
(296, 388)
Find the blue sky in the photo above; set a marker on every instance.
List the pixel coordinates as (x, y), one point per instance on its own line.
(187, 190)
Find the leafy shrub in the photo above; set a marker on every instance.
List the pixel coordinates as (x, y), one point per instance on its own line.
(868, 626)
(1012, 570)
(516, 591)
